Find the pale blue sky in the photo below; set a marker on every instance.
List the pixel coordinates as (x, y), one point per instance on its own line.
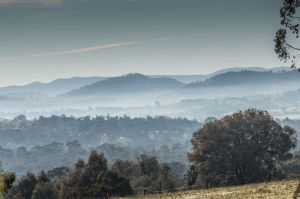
(41, 40)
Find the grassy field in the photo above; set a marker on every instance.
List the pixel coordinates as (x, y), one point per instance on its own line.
(287, 189)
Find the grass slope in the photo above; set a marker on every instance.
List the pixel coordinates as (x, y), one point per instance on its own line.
(286, 189)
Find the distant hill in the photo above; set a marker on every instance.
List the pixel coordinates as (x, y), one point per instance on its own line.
(61, 86)
(131, 83)
(195, 78)
(254, 69)
(251, 78)
(52, 88)
(187, 79)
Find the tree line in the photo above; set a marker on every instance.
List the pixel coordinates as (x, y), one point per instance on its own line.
(94, 178)
(149, 131)
(55, 154)
(241, 148)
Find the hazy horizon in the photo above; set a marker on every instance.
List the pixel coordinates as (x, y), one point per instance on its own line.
(123, 74)
(42, 40)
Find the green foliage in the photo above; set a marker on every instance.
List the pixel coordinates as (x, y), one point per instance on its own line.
(148, 166)
(291, 168)
(7, 179)
(45, 190)
(59, 140)
(125, 168)
(191, 176)
(290, 27)
(166, 180)
(142, 185)
(33, 187)
(24, 188)
(93, 180)
(148, 176)
(241, 148)
(57, 173)
(111, 184)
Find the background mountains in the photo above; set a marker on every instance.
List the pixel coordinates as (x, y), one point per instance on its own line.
(131, 114)
(52, 88)
(60, 86)
(191, 96)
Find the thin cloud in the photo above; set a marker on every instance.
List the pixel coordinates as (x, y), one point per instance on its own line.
(82, 50)
(102, 47)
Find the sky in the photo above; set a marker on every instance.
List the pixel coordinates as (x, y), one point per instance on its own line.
(41, 40)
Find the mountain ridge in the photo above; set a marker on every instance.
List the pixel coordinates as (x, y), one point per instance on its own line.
(64, 85)
(248, 78)
(133, 82)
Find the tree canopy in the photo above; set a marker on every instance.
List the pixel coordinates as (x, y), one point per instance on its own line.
(241, 148)
(289, 32)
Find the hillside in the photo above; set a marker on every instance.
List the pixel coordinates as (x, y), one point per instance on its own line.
(131, 83)
(52, 88)
(187, 79)
(248, 78)
(196, 78)
(275, 190)
(60, 86)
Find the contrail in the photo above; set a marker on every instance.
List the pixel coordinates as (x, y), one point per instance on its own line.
(82, 50)
(100, 47)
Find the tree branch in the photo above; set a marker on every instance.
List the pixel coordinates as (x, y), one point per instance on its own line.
(294, 48)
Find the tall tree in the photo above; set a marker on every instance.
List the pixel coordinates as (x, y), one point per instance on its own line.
(289, 32)
(241, 148)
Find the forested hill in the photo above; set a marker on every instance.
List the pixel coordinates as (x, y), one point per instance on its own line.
(90, 131)
(127, 84)
(249, 78)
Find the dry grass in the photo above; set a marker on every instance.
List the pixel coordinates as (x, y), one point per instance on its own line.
(286, 189)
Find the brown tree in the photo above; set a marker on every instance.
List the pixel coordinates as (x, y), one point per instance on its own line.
(241, 148)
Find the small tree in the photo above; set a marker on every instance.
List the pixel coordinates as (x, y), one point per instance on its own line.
(166, 180)
(45, 190)
(8, 180)
(93, 180)
(148, 166)
(191, 176)
(124, 168)
(24, 188)
(241, 148)
(111, 184)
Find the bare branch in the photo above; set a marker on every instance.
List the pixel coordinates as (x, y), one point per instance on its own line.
(290, 46)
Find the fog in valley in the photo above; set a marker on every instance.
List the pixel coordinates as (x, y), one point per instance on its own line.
(138, 95)
(103, 99)
(46, 125)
